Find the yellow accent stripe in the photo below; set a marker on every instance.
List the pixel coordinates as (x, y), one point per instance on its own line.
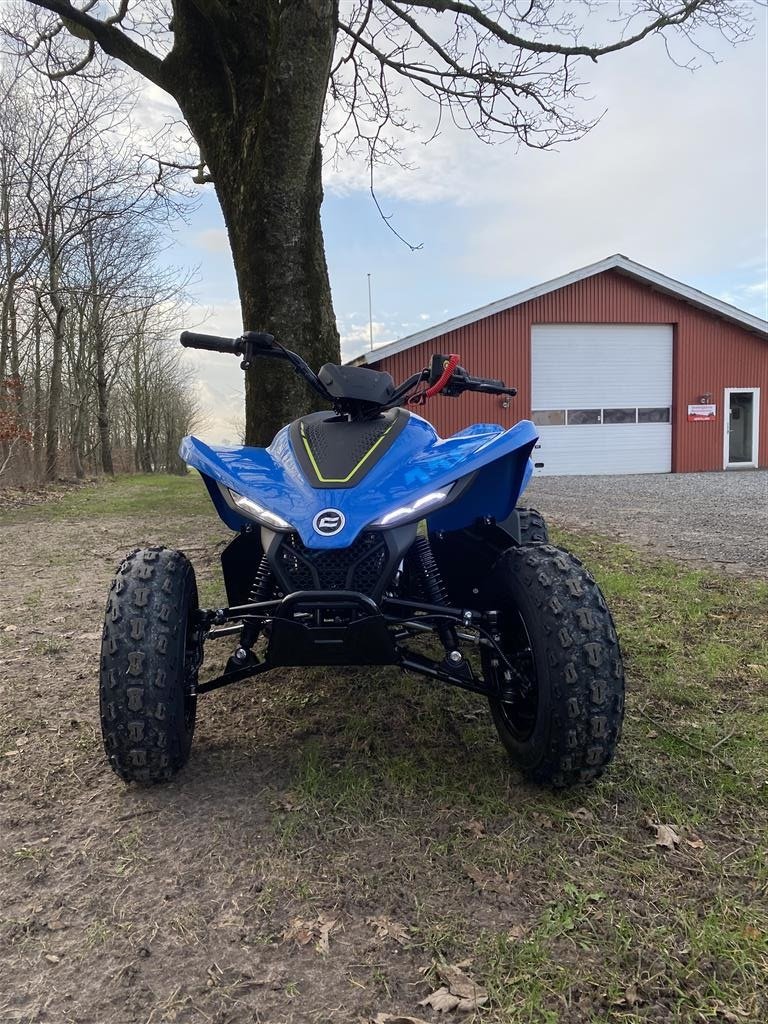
(346, 479)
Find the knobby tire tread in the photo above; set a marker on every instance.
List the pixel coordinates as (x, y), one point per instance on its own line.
(569, 623)
(143, 674)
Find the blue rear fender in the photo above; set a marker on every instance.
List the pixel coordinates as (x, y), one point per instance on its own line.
(417, 463)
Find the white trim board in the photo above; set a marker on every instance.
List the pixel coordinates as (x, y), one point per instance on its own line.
(755, 462)
(615, 262)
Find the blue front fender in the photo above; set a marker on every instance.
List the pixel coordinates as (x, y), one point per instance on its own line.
(417, 463)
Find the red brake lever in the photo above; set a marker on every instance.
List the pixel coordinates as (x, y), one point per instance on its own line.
(450, 365)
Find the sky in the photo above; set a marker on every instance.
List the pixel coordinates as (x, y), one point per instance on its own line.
(674, 176)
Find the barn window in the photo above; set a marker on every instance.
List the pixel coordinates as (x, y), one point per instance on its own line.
(583, 416)
(619, 415)
(653, 415)
(548, 417)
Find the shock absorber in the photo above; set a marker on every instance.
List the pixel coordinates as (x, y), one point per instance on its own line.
(434, 587)
(262, 589)
(431, 577)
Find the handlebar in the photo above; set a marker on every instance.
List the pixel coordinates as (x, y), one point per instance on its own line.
(462, 381)
(489, 386)
(211, 343)
(444, 376)
(250, 345)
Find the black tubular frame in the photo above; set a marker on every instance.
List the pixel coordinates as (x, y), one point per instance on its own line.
(402, 619)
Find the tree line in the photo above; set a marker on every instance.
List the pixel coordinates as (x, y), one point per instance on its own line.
(90, 377)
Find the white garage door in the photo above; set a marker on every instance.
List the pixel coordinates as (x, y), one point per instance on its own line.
(602, 398)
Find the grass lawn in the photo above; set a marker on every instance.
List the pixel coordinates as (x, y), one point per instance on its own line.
(386, 798)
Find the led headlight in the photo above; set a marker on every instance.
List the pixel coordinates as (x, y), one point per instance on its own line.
(253, 510)
(416, 509)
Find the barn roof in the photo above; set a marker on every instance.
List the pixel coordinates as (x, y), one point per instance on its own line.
(618, 262)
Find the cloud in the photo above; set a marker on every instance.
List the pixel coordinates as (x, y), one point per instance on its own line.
(753, 297)
(219, 379)
(213, 240)
(673, 175)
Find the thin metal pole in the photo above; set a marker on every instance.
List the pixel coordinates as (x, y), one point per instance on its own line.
(370, 312)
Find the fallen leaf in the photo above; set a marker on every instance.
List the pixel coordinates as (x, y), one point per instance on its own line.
(630, 999)
(517, 931)
(666, 837)
(441, 1000)
(544, 820)
(288, 802)
(583, 814)
(474, 827)
(52, 958)
(750, 932)
(299, 931)
(394, 1018)
(734, 1015)
(318, 931)
(694, 841)
(325, 927)
(487, 881)
(386, 929)
(459, 991)
(652, 735)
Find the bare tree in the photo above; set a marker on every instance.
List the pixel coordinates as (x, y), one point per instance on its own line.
(252, 81)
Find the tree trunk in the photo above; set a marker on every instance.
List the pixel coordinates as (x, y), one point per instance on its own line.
(262, 148)
(37, 379)
(55, 390)
(102, 403)
(284, 289)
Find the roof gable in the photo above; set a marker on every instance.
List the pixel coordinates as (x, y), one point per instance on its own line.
(618, 262)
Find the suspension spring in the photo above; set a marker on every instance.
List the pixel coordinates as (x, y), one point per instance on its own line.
(434, 587)
(263, 582)
(432, 578)
(262, 589)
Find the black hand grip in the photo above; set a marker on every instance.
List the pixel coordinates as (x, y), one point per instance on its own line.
(489, 386)
(211, 343)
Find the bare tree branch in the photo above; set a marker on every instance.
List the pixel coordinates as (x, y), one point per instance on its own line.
(110, 38)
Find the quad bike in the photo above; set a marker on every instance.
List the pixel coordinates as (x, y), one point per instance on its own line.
(359, 533)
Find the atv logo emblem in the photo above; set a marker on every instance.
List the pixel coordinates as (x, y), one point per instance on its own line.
(329, 522)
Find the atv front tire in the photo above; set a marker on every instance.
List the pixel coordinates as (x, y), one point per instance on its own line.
(150, 655)
(564, 721)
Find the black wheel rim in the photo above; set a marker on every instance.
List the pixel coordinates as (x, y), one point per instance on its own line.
(519, 676)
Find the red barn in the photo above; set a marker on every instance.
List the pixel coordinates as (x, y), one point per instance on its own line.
(622, 369)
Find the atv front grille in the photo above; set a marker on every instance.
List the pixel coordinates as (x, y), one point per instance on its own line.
(359, 567)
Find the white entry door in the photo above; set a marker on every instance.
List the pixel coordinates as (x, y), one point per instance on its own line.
(602, 398)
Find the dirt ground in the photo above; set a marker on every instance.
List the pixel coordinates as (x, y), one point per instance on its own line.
(339, 839)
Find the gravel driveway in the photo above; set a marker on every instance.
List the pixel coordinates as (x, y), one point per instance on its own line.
(715, 518)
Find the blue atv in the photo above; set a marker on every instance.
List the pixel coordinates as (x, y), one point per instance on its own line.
(363, 538)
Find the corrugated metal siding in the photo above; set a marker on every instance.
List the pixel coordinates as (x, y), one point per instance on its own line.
(710, 355)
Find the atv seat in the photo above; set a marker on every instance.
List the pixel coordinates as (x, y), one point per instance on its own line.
(357, 383)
